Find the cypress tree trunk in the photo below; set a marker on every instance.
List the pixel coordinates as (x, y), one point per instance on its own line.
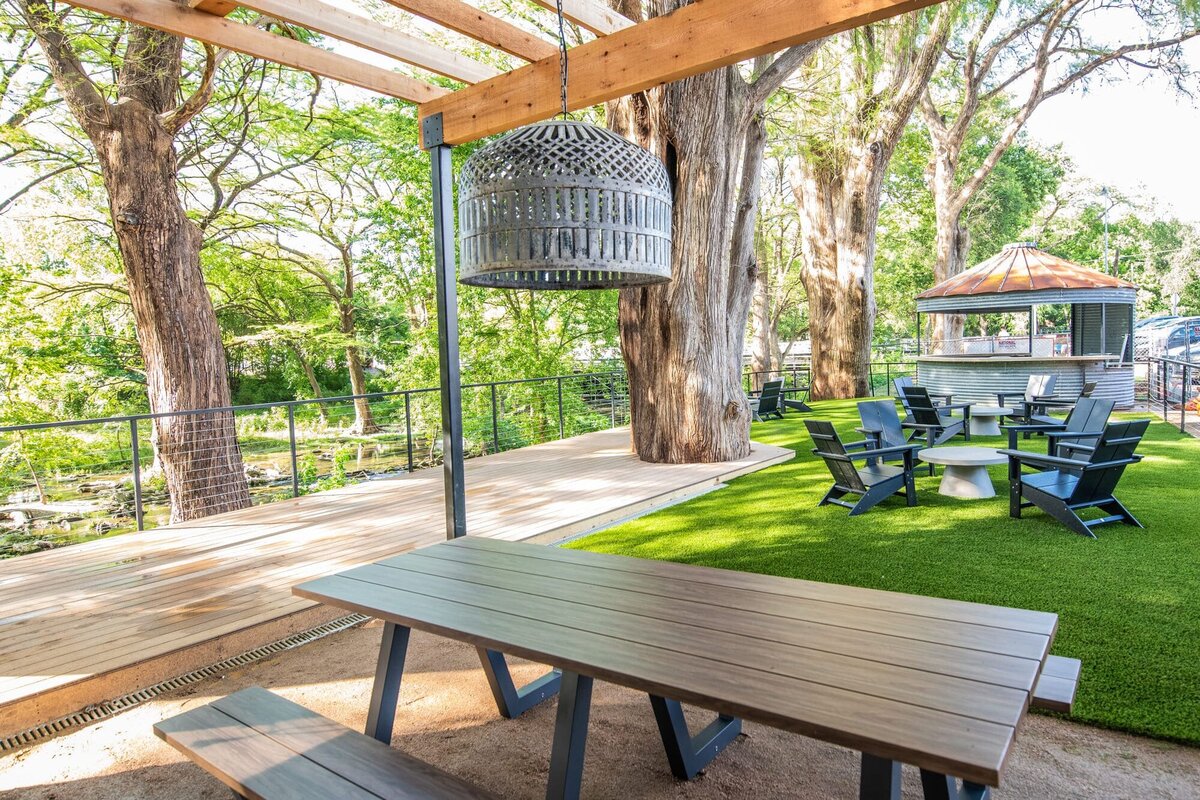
(160, 253)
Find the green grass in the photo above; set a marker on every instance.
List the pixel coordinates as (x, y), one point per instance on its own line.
(1128, 604)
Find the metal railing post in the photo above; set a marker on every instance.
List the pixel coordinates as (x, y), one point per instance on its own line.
(561, 428)
(408, 431)
(292, 449)
(887, 381)
(1165, 392)
(1183, 398)
(137, 475)
(495, 423)
(612, 398)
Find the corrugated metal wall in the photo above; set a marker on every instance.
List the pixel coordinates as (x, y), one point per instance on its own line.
(980, 380)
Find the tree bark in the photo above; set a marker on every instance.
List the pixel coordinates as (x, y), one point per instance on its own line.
(764, 342)
(682, 342)
(160, 253)
(838, 217)
(953, 243)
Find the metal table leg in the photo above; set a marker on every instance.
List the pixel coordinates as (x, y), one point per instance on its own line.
(689, 754)
(511, 701)
(386, 691)
(570, 737)
(944, 787)
(879, 779)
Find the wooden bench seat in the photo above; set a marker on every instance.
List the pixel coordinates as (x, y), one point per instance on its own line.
(1055, 689)
(263, 746)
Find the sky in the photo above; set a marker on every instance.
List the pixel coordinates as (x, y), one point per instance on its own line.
(1138, 137)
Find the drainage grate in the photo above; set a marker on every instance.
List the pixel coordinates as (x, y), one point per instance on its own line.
(108, 708)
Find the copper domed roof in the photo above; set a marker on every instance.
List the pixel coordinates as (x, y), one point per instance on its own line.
(1022, 267)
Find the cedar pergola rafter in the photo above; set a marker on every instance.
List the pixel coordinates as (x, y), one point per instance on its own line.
(625, 57)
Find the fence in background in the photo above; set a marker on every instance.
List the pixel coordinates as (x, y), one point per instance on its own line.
(62, 482)
(1170, 387)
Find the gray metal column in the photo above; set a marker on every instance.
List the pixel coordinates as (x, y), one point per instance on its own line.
(447, 311)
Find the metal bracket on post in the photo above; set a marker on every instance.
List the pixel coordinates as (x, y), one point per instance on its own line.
(511, 701)
(447, 312)
(432, 132)
(689, 754)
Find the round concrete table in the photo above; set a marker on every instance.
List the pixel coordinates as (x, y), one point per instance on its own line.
(966, 472)
(985, 420)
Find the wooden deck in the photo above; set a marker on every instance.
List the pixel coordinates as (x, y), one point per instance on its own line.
(98, 620)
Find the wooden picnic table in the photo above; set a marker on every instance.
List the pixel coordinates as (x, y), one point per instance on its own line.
(940, 684)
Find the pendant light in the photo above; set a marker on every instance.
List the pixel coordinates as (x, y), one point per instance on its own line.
(564, 205)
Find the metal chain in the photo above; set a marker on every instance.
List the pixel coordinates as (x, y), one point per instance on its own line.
(562, 57)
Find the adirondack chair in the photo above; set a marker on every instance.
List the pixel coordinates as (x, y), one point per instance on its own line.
(1041, 412)
(899, 384)
(872, 483)
(881, 425)
(928, 421)
(1063, 487)
(769, 400)
(1076, 436)
(1038, 387)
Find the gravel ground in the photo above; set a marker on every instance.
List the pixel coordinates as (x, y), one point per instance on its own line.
(447, 718)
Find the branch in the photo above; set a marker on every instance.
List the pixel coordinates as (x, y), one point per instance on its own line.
(779, 70)
(85, 100)
(174, 120)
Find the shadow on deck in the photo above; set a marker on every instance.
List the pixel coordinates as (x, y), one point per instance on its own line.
(98, 620)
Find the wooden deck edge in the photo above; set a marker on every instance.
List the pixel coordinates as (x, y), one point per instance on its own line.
(29, 712)
(680, 494)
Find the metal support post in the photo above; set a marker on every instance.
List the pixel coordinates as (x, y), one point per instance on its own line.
(381, 714)
(495, 423)
(448, 364)
(292, 449)
(408, 430)
(561, 428)
(879, 778)
(570, 737)
(137, 475)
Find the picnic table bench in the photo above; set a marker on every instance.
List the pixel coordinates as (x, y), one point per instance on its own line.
(937, 683)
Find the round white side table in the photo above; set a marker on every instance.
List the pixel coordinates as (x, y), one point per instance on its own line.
(985, 420)
(965, 474)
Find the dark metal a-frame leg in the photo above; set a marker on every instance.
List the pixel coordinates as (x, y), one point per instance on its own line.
(689, 754)
(943, 787)
(511, 701)
(381, 715)
(570, 737)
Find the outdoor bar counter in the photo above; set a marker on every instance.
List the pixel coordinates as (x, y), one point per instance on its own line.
(980, 378)
(1018, 280)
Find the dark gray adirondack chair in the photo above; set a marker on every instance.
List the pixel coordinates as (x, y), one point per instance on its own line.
(769, 400)
(1063, 487)
(900, 384)
(873, 482)
(1040, 413)
(928, 422)
(881, 425)
(1074, 437)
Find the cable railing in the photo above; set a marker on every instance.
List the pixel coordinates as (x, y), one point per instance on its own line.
(74, 480)
(1171, 385)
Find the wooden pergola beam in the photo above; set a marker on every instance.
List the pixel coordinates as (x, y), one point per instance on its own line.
(169, 16)
(366, 33)
(696, 38)
(480, 26)
(589, 15)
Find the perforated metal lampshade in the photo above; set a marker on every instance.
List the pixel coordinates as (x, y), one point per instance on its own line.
(564, 205)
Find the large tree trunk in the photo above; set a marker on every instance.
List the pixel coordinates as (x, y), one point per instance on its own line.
(838, 216)
(176, 325)
(953, 243)
(314, 386)
(160, 253)
(764, 342)
(682, 341)
(364, 419)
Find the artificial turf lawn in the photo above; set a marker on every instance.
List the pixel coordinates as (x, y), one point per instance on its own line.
(1128, 603)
